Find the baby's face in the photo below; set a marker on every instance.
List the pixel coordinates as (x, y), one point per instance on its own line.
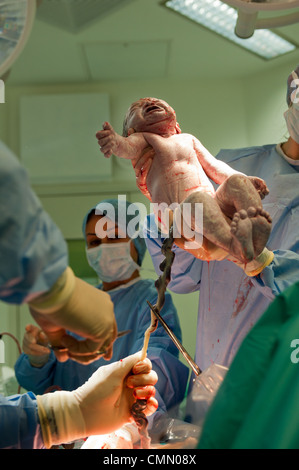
(152, 115)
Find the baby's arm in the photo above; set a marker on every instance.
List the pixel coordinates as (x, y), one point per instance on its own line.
(215, 169)
(124, 147)
(218, 171)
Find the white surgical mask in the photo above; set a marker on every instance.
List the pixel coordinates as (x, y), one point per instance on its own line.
(112, 261)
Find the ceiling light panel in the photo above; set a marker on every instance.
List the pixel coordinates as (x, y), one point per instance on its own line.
(221, 18)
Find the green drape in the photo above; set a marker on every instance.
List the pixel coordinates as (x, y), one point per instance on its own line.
(257, 405)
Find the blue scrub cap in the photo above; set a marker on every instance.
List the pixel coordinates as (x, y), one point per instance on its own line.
(291, 89)
(122, 212)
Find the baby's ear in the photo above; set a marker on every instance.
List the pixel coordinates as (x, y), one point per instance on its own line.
(131, 131)
(178, 129)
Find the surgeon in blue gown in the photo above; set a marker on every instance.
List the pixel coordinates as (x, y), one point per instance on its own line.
(117, 259)
(34, 270)
(231, 302)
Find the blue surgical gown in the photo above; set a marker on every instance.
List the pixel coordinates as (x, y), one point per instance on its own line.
(131, 312)
(33, 254)
(230, 302)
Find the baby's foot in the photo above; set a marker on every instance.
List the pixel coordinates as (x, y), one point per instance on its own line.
(261, 228)
(241, 230)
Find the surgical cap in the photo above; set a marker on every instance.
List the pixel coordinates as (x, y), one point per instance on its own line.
(122, 212)
(291, 87)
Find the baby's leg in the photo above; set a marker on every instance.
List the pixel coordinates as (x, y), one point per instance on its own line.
(236, 193)
(216, 227)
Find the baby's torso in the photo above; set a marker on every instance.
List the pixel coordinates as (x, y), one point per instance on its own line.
(175, 172)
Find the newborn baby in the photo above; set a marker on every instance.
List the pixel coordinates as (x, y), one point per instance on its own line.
(180, 171)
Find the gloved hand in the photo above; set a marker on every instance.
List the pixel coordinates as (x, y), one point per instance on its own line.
(74, 305)
(256, 266)
(142, 168)
(35, 346)
(260, 185)
(100, 406)
(292, 114)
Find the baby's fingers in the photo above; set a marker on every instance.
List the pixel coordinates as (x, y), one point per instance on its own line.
(107, 126)
(103, 134)
(107, 154)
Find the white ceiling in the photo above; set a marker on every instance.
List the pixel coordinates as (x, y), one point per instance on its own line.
(136, 39)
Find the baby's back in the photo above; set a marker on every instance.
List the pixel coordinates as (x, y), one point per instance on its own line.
(175, 172)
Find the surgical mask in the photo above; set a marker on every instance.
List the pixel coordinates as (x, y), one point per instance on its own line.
(292, 114)
(112, 261)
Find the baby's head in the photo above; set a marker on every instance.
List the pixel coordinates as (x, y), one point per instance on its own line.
(144, 113)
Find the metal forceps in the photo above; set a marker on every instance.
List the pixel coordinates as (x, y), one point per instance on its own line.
(161, 285)
(178, 344)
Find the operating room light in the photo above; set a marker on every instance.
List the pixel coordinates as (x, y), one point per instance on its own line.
(16, 21)
(221, 18)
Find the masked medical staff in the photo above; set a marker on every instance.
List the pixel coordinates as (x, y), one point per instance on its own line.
(230, 302)
(117, 259)
(34, 269)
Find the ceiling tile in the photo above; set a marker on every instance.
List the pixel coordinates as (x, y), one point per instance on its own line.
(127, 60)
(73, 15)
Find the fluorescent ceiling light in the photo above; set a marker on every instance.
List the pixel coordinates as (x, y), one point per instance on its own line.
(221, 18)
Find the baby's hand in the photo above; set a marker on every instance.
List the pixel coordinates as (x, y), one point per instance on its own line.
(259, 185)
(107, 140)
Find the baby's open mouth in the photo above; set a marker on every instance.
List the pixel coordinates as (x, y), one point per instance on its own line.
(153, 108)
